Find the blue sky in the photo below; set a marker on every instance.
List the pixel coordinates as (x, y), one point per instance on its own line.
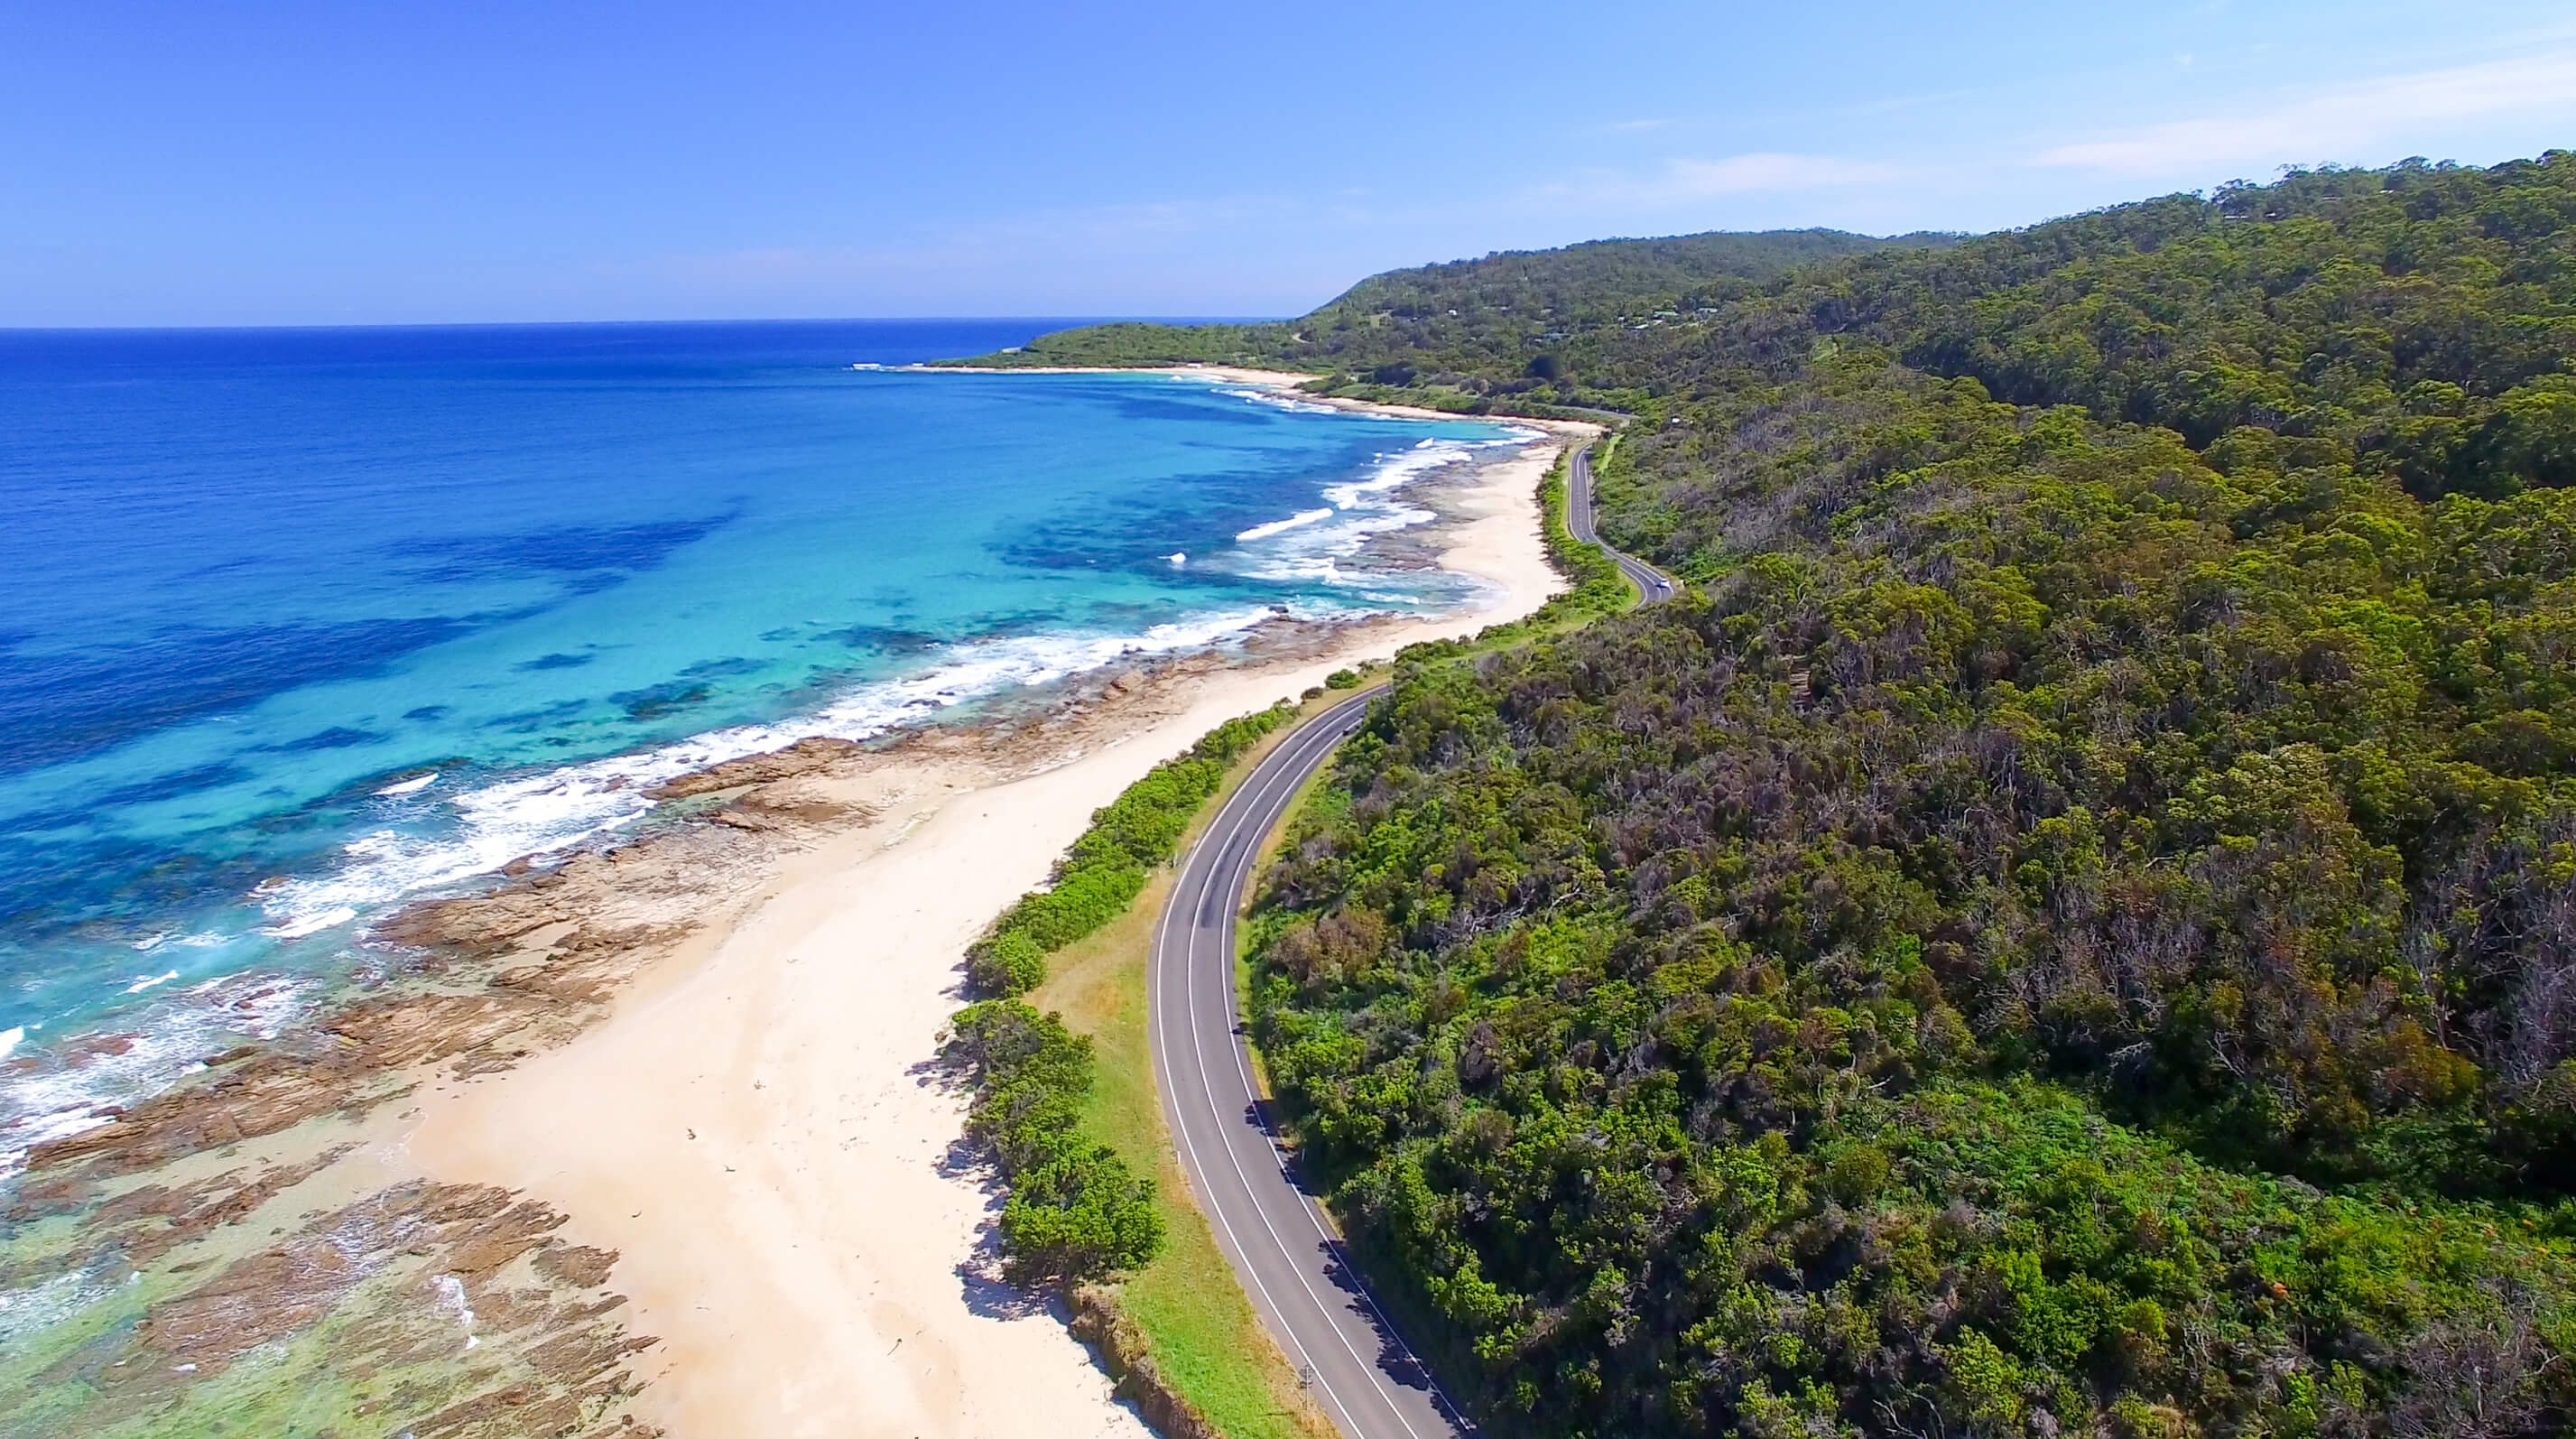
(297, 163)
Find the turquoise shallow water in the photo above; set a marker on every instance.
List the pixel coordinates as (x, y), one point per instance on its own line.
(295, 625)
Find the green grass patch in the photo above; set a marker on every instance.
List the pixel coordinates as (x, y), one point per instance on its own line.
(1198, 1324)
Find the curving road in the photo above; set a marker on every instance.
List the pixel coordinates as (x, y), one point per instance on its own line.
(1652, 584)
(1290, 1261)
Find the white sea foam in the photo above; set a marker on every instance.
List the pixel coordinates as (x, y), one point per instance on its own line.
(151, 982)
(61, 1091)
(408, 786)
(1396, 471)
(1277, 527)
(303, 924)
(1359, 509)
(9, 1038)
(1312, 546)
(40, 1306)
(555, 811)
(1277, 399)
(452, 1290)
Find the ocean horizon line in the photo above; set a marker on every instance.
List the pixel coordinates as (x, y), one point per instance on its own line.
(995, 318)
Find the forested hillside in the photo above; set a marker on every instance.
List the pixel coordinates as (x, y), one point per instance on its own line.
(2071, 927)
(1475, 324)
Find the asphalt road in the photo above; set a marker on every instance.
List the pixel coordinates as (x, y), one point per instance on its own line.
(1652, 584)
(1291, 1265)
(1353, 1362)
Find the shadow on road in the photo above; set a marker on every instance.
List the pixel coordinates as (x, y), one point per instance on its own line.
(1394, 1358)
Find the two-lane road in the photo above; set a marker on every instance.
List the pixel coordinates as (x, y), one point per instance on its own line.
(1289, 1260)
(1652, 584)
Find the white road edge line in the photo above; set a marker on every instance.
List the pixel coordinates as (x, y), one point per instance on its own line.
(1241, 876)
(1180, 1124)
(1258, 794)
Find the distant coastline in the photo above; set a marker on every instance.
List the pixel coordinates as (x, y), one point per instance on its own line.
(1298, 384)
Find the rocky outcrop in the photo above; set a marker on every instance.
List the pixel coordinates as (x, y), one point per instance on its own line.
(806, 756)
(456, 1314)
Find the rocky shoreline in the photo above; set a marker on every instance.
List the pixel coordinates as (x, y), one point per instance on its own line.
(236, 1205)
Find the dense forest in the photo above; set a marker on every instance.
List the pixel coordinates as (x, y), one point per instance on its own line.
(1474, 326)
(2070, 928)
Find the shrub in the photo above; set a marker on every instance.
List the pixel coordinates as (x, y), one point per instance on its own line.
(1075, 1211)
(1105, 869)
(1077, 1216)
(1009, 962)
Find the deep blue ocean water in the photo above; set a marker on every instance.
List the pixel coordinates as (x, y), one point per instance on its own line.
(295, 624)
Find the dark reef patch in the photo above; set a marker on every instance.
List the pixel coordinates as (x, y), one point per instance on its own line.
(58, 706)
(527, 721)
(171, 786)
(589, 558)
(886, 638)
(655, 701)
(336, 737)
(1194, 414)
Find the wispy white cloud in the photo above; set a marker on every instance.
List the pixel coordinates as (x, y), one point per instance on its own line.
(1736, 174)
(1682, 180)
(2334, 124)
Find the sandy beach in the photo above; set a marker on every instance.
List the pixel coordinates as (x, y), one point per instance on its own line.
(1243, 375)
(754, 1127)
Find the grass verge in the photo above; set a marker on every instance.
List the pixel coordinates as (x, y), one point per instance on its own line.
(1201, 1330)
